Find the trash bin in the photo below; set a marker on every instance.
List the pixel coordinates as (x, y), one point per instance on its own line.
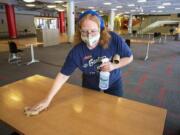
(128, 42)
(177, 36)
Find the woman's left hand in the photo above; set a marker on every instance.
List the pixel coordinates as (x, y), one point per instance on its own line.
(107, 66)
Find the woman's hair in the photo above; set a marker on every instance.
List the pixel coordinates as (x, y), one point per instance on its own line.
(104, 34)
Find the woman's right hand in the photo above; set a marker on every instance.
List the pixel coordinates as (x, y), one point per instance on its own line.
(36, 109)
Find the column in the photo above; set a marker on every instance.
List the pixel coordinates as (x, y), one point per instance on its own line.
(178, 32)
(11, 21)
(111, 20)
(70, 20)
(61, 21)
(130, 24)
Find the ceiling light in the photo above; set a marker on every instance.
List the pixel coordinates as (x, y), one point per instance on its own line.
(51, 6)
(28, 1)
(113, 9)
(118, 6)
(91, 7)
(153, 11)
(166, 4)
(58, 1)
(161, 7)
(107, 3)
(59, 9)
(65, 5)
(131, 5)
(159, 11)
(177, 8)
(140, 1)
(30, 5)
(126, 12)
(100, 11)
(119, 14)
(141, 13)
(133, 10)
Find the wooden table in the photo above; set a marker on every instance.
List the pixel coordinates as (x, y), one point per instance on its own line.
(76, 111)
(142, 41)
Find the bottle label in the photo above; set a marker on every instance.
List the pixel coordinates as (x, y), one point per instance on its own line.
(104, 80)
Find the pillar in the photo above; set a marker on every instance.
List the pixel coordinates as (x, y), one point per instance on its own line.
(70, 20)
(61, 21)
(11, 21)
(130, 24)
(111, 20)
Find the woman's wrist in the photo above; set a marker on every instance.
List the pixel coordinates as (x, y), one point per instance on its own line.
(48, 99)
(115, 66)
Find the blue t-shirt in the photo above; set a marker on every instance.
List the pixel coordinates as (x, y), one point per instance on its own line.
(88, 60)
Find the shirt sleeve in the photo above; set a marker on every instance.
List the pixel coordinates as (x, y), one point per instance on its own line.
(121, 46)
(69, 64)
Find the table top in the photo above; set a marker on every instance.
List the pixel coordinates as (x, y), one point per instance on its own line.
(76, 111)
(143, 41)
(33, 44)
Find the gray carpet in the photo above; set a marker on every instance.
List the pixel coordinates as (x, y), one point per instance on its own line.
(155, 82)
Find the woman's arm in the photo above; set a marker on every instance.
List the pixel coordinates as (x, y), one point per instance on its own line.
(43, 104)
(59, 81)
(108, 66)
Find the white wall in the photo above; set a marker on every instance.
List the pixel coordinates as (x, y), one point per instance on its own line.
(3, 25)
(25, 22)
(22, 22)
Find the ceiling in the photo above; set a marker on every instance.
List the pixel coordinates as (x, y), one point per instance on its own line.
(125, 6)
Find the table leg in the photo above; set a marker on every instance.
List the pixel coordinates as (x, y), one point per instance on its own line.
(33, 60)
(147, 52)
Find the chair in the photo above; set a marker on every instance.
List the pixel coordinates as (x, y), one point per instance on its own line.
(13, 53)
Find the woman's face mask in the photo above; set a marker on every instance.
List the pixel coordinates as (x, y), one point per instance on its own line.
(90, 33)
(91, 40)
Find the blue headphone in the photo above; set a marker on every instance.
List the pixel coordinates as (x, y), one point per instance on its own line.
(93, 13)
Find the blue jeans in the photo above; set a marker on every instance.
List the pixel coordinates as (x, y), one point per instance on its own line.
(115, 89)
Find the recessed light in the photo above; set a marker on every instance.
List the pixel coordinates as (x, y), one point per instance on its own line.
(153, 11)
(140, 1)
(119, 14)
(51, 6)
(113, 9)
(118, 6)
(107, 3)
(30, 5)
(166, 4)
(64, 5)
(161, 7)
(126, 12)
(91, 7)
(131, 5)
(141, 13)
(29, 1)
(60, 9)
(133, 10)
(58, 1)
(100, 11)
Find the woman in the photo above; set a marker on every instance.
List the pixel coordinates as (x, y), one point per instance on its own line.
(95, 44)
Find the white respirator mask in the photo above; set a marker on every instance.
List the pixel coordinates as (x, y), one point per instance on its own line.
(91, 40)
